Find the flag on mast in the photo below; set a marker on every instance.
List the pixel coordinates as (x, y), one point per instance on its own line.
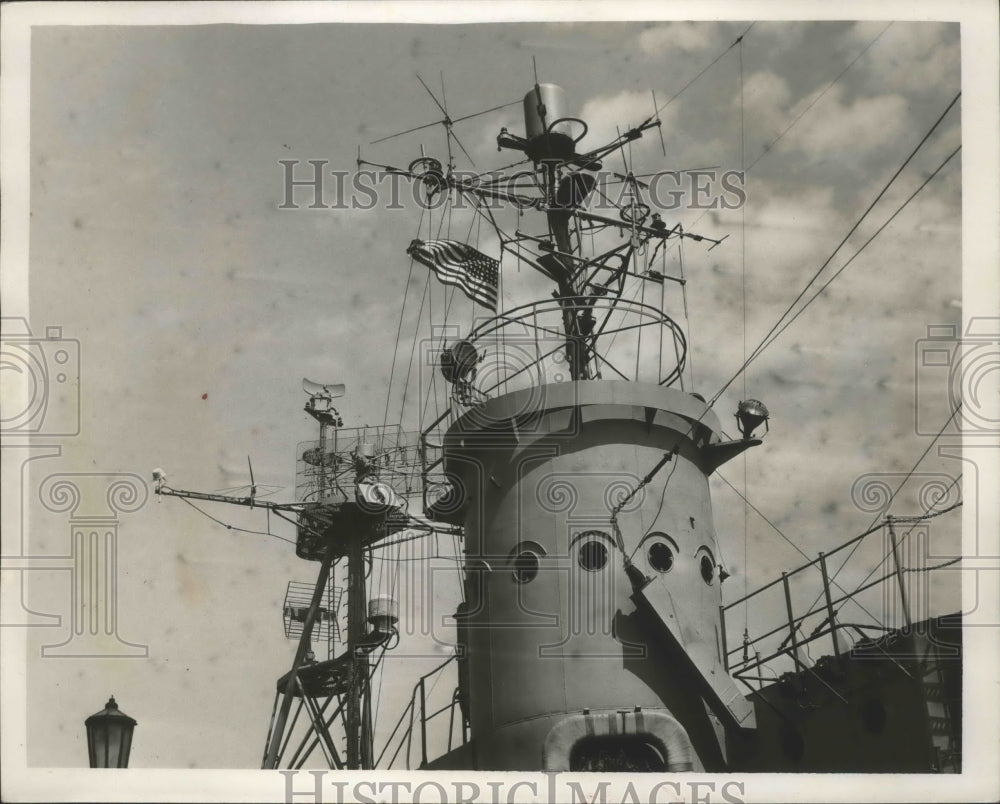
(458, 264)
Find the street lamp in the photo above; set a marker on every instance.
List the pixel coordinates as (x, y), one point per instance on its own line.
(109, 737)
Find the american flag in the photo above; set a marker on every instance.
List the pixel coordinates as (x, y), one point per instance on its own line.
(458, 264)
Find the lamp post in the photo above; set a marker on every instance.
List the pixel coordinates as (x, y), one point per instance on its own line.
(109, 737)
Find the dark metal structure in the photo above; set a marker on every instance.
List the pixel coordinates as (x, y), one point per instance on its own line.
(109, 736)
(575, 464)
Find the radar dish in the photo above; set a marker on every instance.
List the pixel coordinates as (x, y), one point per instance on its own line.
(323, 389)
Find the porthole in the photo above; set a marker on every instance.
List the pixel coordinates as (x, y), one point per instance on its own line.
(525, 567)
(661, 557)
(593, 556)
(707, 569)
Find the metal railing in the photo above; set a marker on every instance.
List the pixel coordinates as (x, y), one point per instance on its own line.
(418, 698)
(525, 346)
(795, 640)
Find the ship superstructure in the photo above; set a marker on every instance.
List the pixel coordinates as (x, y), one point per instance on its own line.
(561, 442)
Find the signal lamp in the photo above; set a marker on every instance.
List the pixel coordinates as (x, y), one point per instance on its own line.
(751, 414)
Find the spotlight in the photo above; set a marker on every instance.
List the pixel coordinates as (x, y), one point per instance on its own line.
(750, 414)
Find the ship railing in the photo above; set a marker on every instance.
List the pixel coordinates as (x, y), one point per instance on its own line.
(795, 641)
(418, 698)
(527, 347)
(535, 343)
(393, 454)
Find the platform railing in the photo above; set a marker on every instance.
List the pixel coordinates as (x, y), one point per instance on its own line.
(415, 723)
(526, 345)
(827, 606)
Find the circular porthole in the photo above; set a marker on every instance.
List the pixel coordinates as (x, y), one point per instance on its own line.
(525, 566)
(661, 557)
(707, 569)
(593, 556)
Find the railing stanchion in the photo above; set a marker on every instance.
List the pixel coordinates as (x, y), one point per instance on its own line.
(899, 574)
(423, 723)
(791, 620)
(722, 628)
(831, 614)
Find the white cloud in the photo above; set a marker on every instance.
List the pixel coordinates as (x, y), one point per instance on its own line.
(910, 57)
(767, 95)
(687, 37)
(850, 129)
(608, 114)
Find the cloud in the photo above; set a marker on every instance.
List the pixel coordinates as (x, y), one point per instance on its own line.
(768, 96)
(607, 114)
(850, 129)
(910, 57)
(688, 37)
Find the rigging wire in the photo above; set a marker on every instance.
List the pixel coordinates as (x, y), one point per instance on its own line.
(769, 147)
(775, 331)
(934, 567)
(427, 295)
(743, 291)
(917, 520)
(909, 474)
(399, 327)
(926, 181)
(227, 526)
(687, 317)
(683, 89)
(814, 101)
(783, 536)
(765, 342)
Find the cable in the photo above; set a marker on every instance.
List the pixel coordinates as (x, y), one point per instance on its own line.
(934, 567)
(916, 520)
(234, 527)
(903, 483)
(814, 101)
(683, 89)
(743, 291)
(863, 246)
(762, 516)
(399, 327)
(795, 546)
(765, 342)
(769, 148)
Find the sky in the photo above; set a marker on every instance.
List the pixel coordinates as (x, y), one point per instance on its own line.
(156, 241)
